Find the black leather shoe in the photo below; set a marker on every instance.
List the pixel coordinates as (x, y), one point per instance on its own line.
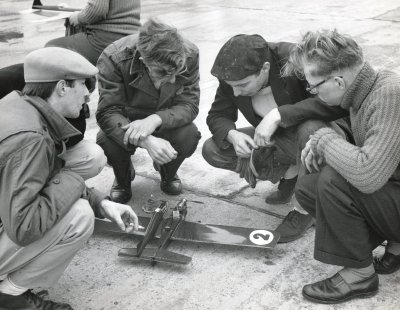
(294, 226)
(28, 301)
(171, 187)
(122, 194)
(119, 193)
(284, 193)
(389, 263)
(335, 290)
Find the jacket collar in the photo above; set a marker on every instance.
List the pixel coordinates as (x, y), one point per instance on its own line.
(58, 125)
(142, 81)
(360, 88)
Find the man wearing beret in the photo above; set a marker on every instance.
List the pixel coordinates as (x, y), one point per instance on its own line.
(149, 97)
(282, 114)
(46, 211)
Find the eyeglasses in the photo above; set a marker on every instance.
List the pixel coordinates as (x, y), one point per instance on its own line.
(312, 89)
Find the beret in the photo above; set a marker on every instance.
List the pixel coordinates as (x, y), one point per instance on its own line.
(241, 56)
(50, 64)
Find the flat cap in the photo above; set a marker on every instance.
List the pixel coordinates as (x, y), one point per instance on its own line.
(241, 56)
(52, 64)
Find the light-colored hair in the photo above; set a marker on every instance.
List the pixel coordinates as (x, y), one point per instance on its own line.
(162, 45)
(327, 49)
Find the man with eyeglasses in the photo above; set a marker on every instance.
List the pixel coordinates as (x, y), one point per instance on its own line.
(354, 194)
(280, 112)
(149, 97)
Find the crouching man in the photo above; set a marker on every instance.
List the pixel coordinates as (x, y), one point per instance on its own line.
(149, 97)
(46, 211)
(355, 194)
(280, 109)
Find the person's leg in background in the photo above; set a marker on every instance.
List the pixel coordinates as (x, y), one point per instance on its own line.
(120, 160)
(41, 263)
(184, 140)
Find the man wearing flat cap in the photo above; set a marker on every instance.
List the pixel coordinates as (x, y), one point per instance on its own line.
(282, 115)
(149, 96)
(46, 211)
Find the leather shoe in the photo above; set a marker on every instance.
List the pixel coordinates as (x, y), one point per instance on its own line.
(335, 290)
(122, 194)
(119, 193)
(284, 193)
(29, 300)
(389, 263)
(171, 187)
(294, 226)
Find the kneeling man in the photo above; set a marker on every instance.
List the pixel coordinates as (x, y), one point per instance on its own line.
(149, 97)
(46, 211)
(354, 195)
(280, 109)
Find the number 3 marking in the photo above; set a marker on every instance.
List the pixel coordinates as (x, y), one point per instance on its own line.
(258, 237)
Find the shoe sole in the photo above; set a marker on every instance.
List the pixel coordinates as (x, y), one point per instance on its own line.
(360, 295)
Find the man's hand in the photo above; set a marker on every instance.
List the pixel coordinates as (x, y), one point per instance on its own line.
(267, 128)
(160, 150)
(242, 143)
(310, 160)
(120, 214)
(73, 19)
(140, 129)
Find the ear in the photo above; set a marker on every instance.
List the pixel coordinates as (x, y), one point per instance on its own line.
(340, 82)
(266, 66)
(60, 88)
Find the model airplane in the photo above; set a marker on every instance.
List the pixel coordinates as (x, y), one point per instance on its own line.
(37, 5)
(165, 229)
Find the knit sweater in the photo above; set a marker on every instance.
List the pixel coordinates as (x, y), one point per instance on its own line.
(117, 16)
(373, 101)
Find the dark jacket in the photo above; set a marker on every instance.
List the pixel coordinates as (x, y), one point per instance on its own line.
(127, 92)
(294, 103)
(35, 190)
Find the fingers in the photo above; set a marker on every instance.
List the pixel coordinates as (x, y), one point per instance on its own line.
(133, 220)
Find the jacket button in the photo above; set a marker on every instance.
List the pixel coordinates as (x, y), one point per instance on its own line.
(56, 181)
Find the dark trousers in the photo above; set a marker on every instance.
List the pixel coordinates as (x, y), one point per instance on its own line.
(288, 141)
(183, 139)
(89, 44)
(349, 223)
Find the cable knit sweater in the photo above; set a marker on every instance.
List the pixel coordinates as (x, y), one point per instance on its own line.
(118, 16)
(373, 101)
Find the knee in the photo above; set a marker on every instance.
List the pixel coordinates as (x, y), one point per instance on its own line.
(96, 160)
(328, 179)
(187, 139)
(82, 221)
(210, 152)
(306, 129)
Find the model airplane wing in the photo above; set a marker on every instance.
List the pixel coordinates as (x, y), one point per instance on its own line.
(37, 5)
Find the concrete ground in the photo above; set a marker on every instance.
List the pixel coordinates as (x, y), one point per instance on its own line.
(219, 277)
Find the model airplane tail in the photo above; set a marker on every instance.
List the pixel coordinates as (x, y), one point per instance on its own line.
(37, 5)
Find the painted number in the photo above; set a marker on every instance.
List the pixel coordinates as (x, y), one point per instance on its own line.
(261, 237)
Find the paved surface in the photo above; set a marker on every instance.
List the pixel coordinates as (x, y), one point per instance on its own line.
(219, 277)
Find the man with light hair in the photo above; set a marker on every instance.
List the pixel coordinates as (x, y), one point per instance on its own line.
(149, 97)
(353, 191)
(46, 211)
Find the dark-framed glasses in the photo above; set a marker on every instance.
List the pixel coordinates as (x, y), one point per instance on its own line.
(313, 89)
